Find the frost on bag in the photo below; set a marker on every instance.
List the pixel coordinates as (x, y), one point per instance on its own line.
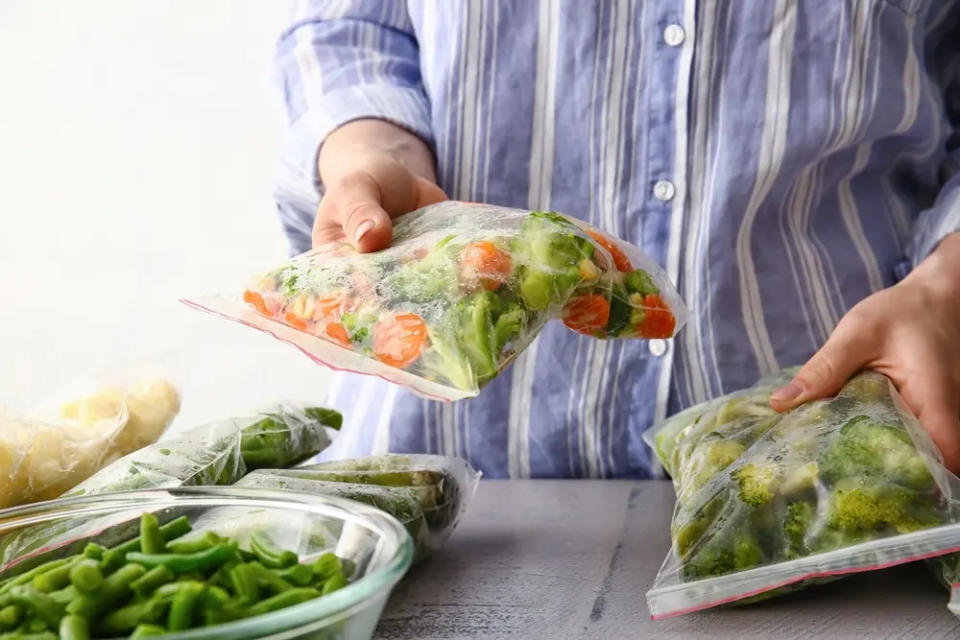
(769, 502)
(427, 493)
(43, 456)
(463, 289)
(218, 453)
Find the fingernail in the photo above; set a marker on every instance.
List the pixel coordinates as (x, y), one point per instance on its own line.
(787, 393)
(362, 230)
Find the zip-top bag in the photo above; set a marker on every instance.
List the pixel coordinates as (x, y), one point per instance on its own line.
(461, 292)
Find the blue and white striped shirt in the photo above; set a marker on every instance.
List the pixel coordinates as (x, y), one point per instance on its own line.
(782, 159)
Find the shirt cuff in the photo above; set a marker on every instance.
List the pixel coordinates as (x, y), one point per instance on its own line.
(935, 225)
(297, 183)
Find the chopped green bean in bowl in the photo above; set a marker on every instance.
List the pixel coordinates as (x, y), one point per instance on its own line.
(201, 562)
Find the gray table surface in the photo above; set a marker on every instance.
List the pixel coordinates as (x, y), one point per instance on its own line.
(567, 559)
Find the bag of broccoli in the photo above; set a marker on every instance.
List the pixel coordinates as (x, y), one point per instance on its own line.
(768, 502)
(462, 290)
(947, 570)
(427, 493)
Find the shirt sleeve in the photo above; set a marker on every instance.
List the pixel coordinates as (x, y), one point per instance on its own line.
(943, 217)
(338, 61)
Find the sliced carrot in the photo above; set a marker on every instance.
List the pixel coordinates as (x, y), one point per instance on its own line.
(295, 321)
(400, 340)
(484, 264)
(620, 260)
(338, 333)
(658, 320)
(255, 299)
(587, 314)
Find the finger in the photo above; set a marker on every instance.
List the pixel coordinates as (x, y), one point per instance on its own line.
(357, 209)
(848, 348)
(428, 192)
(936, 403)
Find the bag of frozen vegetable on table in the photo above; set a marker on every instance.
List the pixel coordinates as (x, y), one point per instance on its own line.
(770, 502)
(44, 455)
(212, 454)
(427, 493)
(461, 291)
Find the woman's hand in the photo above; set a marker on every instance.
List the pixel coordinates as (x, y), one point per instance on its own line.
(910, 333)
(372, 171)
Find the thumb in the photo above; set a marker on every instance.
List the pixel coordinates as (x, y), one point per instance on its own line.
(358, 209)
(827, 371)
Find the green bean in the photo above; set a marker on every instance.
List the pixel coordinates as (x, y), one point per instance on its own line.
(54, 579)
(215, 604)
(244, 583)
(269, 555)
(113, 558)
(184, 562)
(176, 528)
(28, 576)
(93, 551)
(10, 616)
(148, 582)
(115, 586)
(147, 630)
(283, 600)
(64, 596)
(268, 579)
(34, 625)
(299, 574)
(326, 565)
(86, 575)
(333, 583)
(39, 604)
(74, 628)
(183, 606)
(195, 544)
(30, 635)
(151, 539)
(125, 619)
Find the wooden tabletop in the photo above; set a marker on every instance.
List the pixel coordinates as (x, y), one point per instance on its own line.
(568, 559)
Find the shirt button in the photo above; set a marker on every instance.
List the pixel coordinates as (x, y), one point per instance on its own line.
(657, 347)
(674, 35)
(664, 190)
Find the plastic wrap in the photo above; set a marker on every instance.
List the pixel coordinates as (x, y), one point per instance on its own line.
(463, 289)
(770, 502)
(211, 454)
(428, 494)
(41, 457)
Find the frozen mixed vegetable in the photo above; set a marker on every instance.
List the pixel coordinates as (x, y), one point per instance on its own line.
(42, 458)
(161, 581)
(427, 493)
(760, 489)
(463, 289)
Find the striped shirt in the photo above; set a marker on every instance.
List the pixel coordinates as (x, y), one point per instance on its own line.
(781, 159)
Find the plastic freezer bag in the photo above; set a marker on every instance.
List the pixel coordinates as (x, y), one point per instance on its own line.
(221, 452)
(428, 494)
(212, 454)
(770, 502)
(42, 457)
(463, 289)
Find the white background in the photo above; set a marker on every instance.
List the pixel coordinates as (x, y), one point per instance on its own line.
(138, 142)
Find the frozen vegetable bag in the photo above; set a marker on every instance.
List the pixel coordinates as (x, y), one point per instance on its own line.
(463, 289)
(770, 502)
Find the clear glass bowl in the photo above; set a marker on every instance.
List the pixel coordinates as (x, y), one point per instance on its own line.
(375, 542)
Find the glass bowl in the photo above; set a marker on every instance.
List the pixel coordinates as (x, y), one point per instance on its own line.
(377, 544)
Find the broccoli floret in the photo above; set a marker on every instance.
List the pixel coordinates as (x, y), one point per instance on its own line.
(477, 333)
(688, 532)
(639, 281)
(865, 447)
(858, 506)
(509, 325)
(550, 249)
(757, 483)
(747, 554)
(710, 561)
(796, 524)
(433, 277)
(799, 479)
(709, 459)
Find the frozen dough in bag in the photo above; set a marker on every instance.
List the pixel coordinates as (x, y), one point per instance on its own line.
(463, 289)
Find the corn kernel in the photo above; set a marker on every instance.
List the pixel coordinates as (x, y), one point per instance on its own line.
(588, 270)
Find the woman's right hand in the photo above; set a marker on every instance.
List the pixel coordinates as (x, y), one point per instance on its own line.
(373, 171)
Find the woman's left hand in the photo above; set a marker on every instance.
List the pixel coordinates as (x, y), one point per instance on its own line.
(910, 333)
